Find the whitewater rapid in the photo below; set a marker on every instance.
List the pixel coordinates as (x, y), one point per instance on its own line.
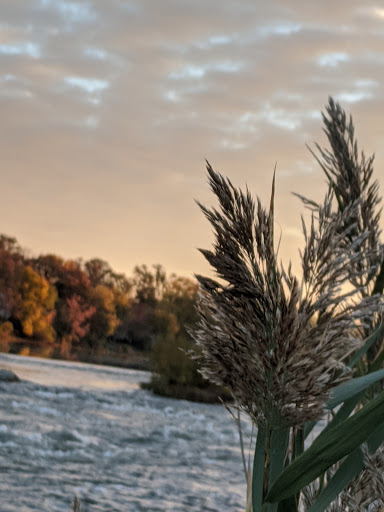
(78, 429)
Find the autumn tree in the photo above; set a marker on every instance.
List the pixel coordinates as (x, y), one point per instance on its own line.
(82, 289)
(10, 244)
(67, 276)
(89, 304)
(104, 320)
(98, 271)
(73, 320)
(35, 309)
(11, 267)
(137, 322)
(174, 314)
(149, 286)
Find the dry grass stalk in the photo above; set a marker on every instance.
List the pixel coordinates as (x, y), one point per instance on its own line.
(364, 493)
(76, 505)
(280, 344)
(349, 176)
(256, 329)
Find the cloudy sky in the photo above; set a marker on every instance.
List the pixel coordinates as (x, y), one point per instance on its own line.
(109, 108)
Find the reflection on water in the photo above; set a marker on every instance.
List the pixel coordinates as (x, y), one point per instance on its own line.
(49, 372)
(79, 428)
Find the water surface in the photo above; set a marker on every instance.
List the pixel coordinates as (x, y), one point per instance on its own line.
(72, 428)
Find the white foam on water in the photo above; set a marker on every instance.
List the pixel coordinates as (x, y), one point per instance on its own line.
(58, 395)
(84, 439)
(31, 436)
(48, 411)
(120, 449)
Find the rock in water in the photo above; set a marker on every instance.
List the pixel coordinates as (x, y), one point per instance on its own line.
(8, 376)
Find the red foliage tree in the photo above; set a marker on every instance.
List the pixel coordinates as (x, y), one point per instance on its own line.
(73, 322)
(67, 276)
(78, 315)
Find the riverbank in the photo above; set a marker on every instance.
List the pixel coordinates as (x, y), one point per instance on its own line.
(210, 394)
(121, 357)
(117, 355)
(135, 361)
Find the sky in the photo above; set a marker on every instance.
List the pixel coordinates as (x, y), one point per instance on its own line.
(110, 108)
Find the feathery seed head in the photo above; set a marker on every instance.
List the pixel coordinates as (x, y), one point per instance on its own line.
(257, 330)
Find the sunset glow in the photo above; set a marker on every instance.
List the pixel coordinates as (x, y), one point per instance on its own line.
(109, 110)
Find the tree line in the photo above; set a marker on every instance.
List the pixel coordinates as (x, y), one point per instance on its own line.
(85, 305)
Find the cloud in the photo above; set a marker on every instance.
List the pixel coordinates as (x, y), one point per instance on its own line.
(22, 48)
(115, 105)
(70, 12)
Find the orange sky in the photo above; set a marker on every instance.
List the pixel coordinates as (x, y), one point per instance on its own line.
(109, 109)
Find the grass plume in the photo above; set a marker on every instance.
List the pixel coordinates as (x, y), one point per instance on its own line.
(280, 343)
(256, 329)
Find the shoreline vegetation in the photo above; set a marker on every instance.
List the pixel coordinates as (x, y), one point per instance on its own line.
(132, 360)
(207, 393)
(84, 311)
(210, 394)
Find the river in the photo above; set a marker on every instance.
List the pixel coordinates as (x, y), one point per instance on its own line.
(79, 429)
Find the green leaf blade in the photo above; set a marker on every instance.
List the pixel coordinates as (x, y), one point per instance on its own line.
(347, 471)
(327, 449)
(278, 452)
(368, 343)
(258, 469)
(353, 387)
(378, 362)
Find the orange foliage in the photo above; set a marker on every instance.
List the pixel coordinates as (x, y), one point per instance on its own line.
(35, 310)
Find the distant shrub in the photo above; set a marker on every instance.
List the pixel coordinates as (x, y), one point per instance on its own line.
(172, 364)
